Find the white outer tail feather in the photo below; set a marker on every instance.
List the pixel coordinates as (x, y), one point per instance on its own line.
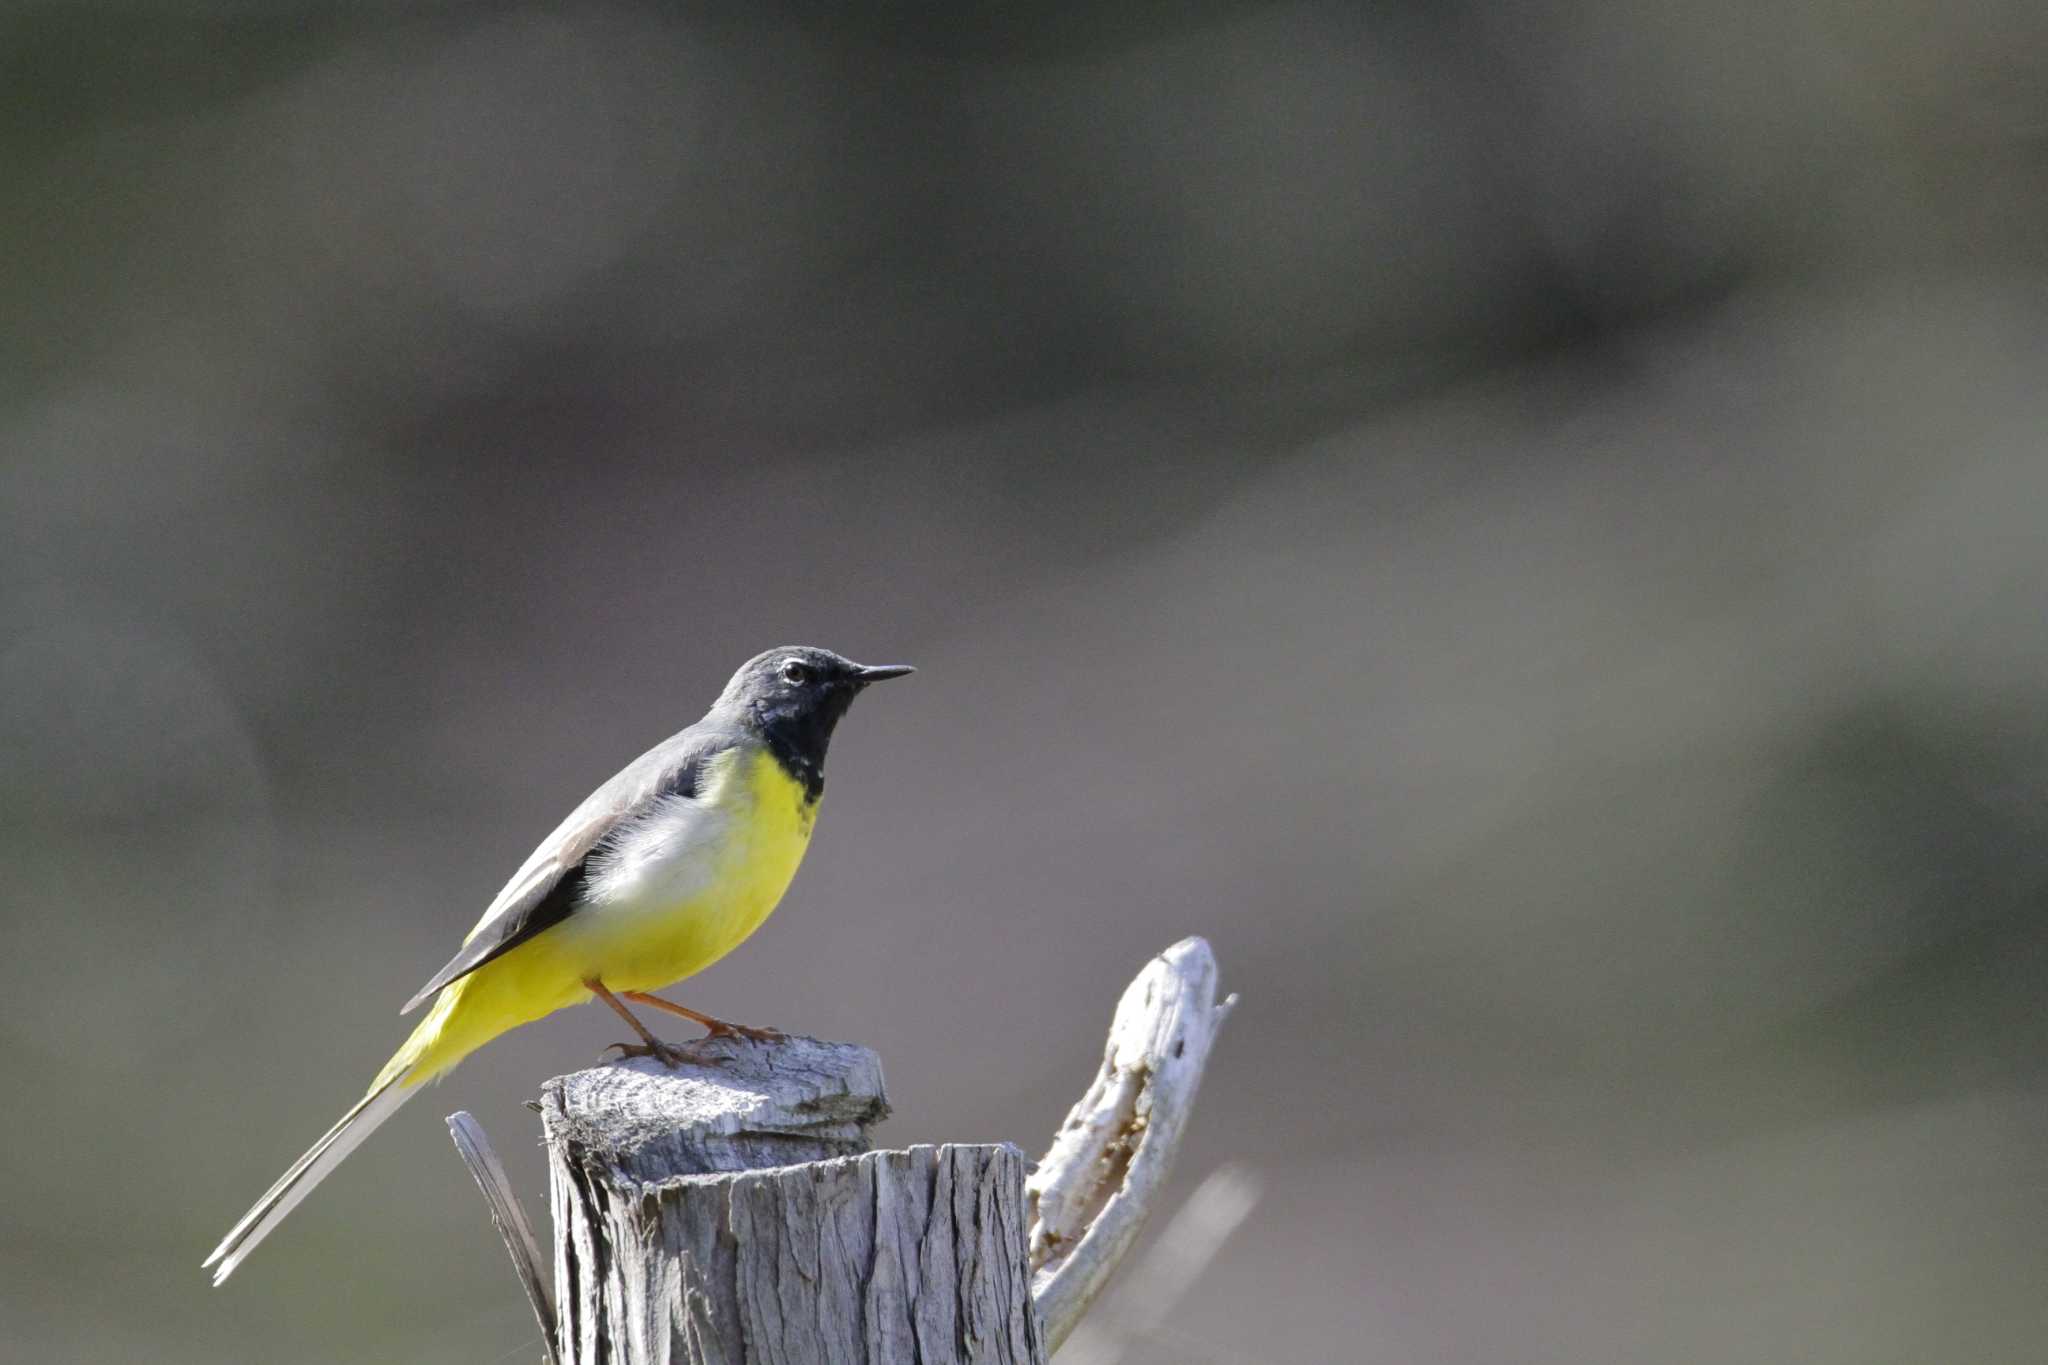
(308, 1171)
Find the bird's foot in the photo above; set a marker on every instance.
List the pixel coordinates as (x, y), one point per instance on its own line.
(719, 1028)
(668, 1054)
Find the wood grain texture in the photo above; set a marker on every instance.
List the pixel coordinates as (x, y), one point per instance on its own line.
(685, 1230)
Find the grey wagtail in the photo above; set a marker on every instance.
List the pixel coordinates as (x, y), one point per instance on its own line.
(662, 871)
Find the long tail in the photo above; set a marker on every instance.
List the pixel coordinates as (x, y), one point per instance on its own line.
(424, 1056)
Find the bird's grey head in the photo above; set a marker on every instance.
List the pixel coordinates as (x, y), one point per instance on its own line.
(794, 695)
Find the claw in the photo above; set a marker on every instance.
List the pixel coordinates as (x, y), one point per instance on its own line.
(721, 1029)
(668, 1054)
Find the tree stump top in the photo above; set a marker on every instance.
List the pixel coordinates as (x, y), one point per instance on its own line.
(749, 1105)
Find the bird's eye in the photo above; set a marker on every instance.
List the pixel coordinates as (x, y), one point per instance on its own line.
(796, 672)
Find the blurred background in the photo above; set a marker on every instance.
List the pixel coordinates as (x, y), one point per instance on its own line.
(1523, 524)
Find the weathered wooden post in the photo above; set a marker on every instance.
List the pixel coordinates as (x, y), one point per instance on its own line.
(730, 1212)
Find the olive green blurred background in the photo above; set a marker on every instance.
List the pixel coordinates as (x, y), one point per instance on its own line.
(1526, 525)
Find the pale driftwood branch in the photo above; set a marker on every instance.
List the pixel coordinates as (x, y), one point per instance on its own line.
(509, 1217)
(1095, 1185)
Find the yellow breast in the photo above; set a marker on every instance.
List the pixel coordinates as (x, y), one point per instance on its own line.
(725, 869)
(767, 827)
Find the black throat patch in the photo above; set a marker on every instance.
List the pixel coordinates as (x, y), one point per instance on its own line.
(798, 738)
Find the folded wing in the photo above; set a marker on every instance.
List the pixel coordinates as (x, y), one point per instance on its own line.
(549, 886)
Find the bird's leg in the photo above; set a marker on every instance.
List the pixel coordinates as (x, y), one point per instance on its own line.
(649, 1046)
(719, 1028)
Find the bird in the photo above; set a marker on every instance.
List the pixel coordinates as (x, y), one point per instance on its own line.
(663, 870)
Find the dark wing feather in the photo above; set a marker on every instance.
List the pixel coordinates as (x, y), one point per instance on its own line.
(547, 902)
(549, 886)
